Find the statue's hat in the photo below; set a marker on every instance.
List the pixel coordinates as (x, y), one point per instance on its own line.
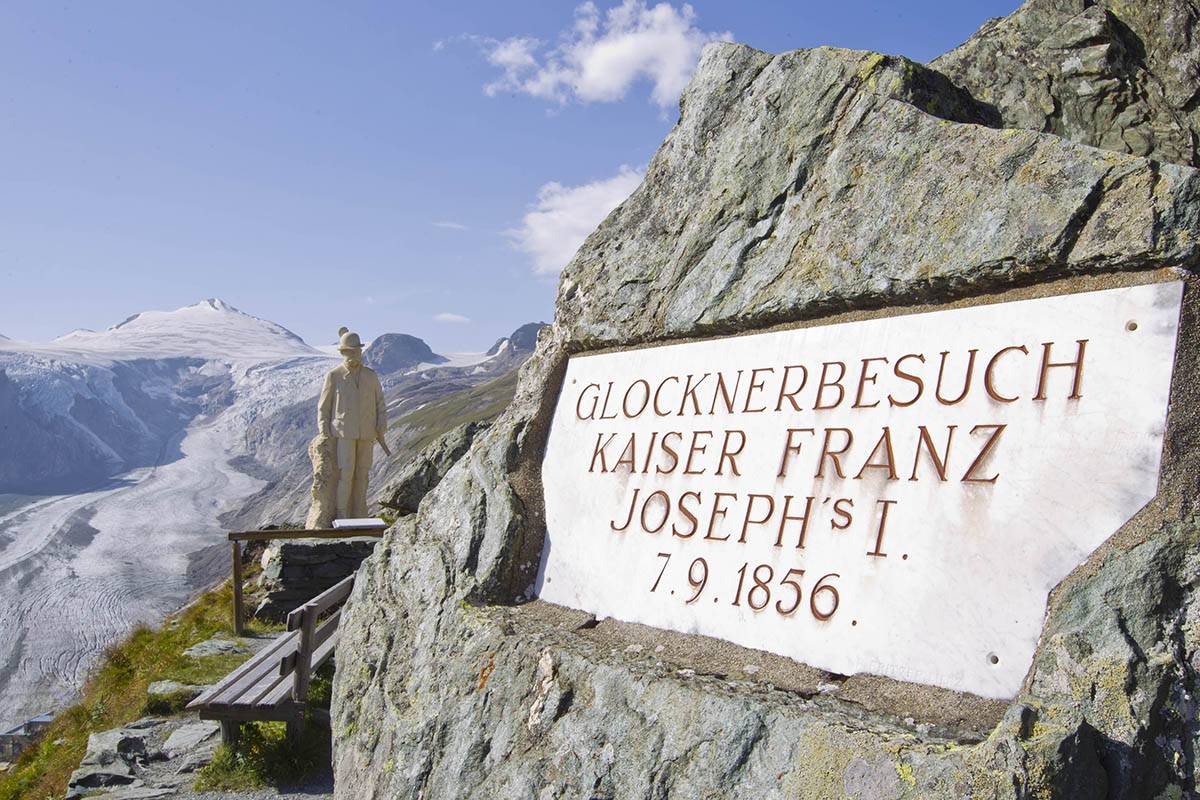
(348, 341)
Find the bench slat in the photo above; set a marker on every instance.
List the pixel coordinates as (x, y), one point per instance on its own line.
(244, 695)
(253, 696)
(243, 674)
(228, 691)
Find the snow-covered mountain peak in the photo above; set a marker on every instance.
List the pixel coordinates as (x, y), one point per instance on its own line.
(216, 304)
(209, 329)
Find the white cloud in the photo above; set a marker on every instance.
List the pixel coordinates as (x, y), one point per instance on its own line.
(601, 56)
(453, 226)
(514, 57)
(563, 216)
(447, 316)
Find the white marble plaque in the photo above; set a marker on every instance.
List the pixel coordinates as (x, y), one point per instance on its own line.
(894, 496)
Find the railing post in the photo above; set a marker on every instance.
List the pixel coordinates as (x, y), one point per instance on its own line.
(237, 587)
(304, 654)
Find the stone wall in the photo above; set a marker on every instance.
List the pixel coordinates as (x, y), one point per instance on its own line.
(811, 186)
(297, 570)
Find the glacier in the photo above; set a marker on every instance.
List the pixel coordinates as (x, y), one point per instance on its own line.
(137, 429)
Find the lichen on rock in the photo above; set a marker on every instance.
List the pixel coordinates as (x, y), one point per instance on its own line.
(795, 187)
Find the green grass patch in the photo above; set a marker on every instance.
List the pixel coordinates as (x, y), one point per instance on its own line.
(203, 671)
(115, 694)
(483, 402)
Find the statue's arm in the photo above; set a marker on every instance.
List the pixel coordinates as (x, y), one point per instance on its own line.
(325, 408)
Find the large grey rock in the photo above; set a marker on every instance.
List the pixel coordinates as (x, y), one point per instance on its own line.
(111, 746)
(109, 761)
(793, 187)
(145, 759)
(1124, 76)
(191, 736)
(216, 646)
(404, 493)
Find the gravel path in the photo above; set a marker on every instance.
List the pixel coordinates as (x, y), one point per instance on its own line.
(321, 786)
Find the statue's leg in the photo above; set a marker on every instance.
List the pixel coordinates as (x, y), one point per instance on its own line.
(364, 453)
(345, 461)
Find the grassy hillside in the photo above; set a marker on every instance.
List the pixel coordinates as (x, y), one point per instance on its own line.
(116, 692)
(483, 402)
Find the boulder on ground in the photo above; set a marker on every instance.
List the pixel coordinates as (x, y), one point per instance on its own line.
(216, 646)
(145, 759)
(170, 697)
(110, 760)
(190, 736)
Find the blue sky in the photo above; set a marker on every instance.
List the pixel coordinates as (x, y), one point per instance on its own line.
(420, 168)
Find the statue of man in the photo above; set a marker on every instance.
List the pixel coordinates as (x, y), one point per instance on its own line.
(352, 410)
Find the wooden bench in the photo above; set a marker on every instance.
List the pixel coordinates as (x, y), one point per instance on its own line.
(273, 685)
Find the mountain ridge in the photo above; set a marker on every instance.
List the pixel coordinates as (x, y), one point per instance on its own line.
(90, 405)
(393, 352)
(209, 328)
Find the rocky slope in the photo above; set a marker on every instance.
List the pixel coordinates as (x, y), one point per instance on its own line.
(796, 186)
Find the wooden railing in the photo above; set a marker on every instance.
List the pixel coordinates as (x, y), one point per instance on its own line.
(237, 537)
